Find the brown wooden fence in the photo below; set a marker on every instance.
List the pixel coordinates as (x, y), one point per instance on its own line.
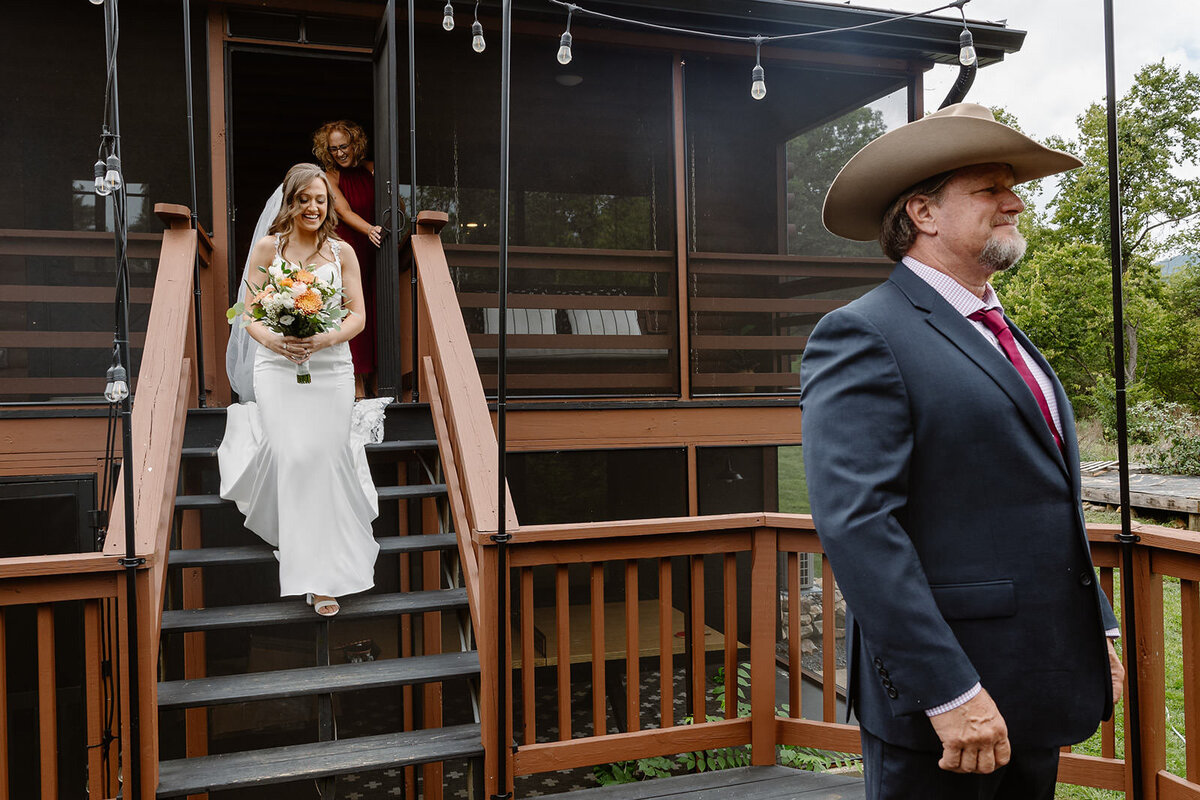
(630, 597)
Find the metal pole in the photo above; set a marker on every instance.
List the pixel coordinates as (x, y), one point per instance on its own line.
(129, 561)
(196, 297)
(502, 536)
(412, 190)
(1126, 537)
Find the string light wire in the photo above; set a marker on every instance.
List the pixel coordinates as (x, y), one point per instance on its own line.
(573, 7)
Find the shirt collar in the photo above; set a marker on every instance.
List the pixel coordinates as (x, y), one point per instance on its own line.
(952, 291)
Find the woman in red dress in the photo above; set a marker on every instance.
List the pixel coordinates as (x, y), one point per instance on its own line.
(341, 147)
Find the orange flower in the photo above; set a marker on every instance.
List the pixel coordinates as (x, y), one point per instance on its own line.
(309, 303)
(304, 276)
(267, 292)
(285, 283)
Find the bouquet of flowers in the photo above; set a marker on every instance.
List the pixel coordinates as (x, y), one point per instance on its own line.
(294, 302)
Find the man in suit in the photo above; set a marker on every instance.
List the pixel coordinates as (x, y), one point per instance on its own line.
(943, 473)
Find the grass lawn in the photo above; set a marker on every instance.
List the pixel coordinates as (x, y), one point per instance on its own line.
(793, 497)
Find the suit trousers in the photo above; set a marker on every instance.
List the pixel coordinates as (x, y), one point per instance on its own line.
(897, 773)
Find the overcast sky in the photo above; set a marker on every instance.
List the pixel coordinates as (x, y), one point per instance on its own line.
(1060, 69)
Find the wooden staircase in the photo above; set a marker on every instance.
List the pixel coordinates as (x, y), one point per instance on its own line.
(417, 582)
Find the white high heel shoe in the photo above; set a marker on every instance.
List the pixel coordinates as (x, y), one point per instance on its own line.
(320, 605)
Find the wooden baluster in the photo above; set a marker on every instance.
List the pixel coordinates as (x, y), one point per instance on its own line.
(431, 634)
(731, 651)
(699, 704)
(633, 648)
(562, 608)
(47, 702)
(600, 720)
(828, 645)
(666, 646)
(93, 702)
(407, 718)
(4, 710)
(1189, 592)
(194, 645)
(795, 671)
(1148, 649)
(527, 666)
(1108, 728)
(763, 596)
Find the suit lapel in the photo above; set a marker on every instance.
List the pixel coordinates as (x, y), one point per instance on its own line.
(963, 335)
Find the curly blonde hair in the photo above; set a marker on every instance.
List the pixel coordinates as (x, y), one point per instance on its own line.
(353, 131)
(297, 179)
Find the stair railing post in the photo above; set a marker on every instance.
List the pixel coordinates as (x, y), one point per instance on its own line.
(191, 137)
(502, 536)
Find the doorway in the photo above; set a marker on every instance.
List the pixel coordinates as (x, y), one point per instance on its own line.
(277, 98)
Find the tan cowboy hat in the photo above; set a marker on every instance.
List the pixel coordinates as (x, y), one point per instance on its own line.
(956, 136)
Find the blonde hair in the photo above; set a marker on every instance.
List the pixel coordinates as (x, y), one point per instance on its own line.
(353, 131)
(297, 179)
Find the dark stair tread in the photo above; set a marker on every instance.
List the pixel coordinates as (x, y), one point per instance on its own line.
(315, 760)
(293, 611)
(395, 446)
(258, 554)
(419, 490)
(316, 680)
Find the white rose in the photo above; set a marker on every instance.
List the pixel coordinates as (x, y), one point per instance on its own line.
(286, 319)
(287, 301)
(274, 271)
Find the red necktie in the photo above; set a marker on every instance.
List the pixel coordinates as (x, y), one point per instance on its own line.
(994, 320)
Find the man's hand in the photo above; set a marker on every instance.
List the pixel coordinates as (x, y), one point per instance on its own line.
(1118, 671)
(974, 736)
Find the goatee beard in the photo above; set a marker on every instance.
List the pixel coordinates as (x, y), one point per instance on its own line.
(1000, 253)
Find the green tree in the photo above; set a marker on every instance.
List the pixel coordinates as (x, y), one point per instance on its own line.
(1062, 294)
(814, 158)
(1158, 136)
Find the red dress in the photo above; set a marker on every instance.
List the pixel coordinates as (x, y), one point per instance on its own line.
(357, 185)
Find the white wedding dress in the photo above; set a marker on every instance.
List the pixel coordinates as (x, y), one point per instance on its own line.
(293, 461)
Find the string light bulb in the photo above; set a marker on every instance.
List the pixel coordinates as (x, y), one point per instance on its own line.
(966, 48)
(758, 83)
(101, 185)
(112, 177)
(448, 17)
(477, 42)
(97, 2)
(564, 42)
(117, 387)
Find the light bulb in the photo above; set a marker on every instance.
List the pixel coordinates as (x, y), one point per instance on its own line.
(758, 87)
(448, 18)
(477, 42)
(101, 185)
(966, 48)
(97, 2)
(113, 176)
(564, 49)
(117, 388)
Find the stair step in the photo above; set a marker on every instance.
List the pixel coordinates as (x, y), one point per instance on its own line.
(187, 502)
(293, 611)
(397, 446)
(316, 760)
(316, 680)
(265, 554)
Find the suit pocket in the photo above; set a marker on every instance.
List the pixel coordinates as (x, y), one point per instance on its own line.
(982, 600)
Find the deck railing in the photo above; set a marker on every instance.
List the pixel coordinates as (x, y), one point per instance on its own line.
(60, 334)
(53, 584)
(665, 602)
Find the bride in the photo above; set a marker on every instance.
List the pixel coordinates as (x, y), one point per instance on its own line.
(292, 457)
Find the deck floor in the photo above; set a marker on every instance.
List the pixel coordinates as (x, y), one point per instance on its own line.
(759, 783)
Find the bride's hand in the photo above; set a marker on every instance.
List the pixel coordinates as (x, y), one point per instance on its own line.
(312, 344)
(293, 348)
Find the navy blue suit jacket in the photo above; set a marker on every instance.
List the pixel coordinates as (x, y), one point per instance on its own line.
(952, 522)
